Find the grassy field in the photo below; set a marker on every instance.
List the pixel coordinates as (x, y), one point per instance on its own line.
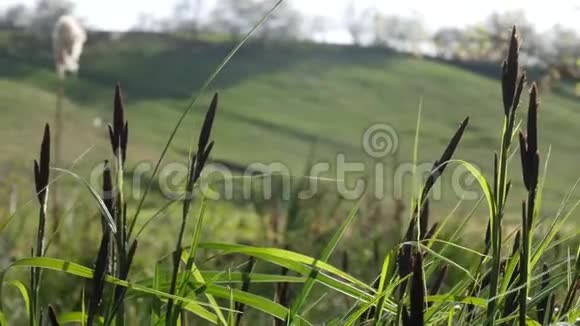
(291, 103)
(275, 100)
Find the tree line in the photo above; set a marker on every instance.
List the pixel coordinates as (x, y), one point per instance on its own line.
(555, 52)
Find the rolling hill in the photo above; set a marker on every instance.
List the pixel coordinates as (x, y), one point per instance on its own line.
(277, 102)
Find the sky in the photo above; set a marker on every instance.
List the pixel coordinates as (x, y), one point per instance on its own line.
(434, 13)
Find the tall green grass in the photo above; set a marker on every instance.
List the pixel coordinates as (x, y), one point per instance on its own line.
(529, 285)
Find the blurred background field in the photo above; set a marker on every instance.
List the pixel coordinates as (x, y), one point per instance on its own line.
(285, 97)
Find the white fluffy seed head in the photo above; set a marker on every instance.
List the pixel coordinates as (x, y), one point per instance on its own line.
(68, 38)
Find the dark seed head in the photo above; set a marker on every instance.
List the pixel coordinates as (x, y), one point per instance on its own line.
(424, 219)
(516, 244)
(42, 167)
(417, 290)
(439, 165)
(52, 316)
(99, 275)
(510, 73)
(119, 131)
(207, 125)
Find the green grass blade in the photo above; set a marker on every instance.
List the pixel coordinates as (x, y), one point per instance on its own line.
(328, 250)
(24, 292)
(76, 317)
(96, 196)
(85, 272)
(278, 256)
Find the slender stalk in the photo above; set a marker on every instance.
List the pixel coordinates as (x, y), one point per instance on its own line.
(175, 269)
(41, 177)
(58, 129)
(525, 255)
(512, 86)
(121, 241)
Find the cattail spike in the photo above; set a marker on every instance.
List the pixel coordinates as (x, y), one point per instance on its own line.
(207, 124)
(118, 132)
(532, 126)
(439, 165)
(510, 73)
(424, 219)
(112, 138)
(118, 114)
(52, 316)
(124, 139)
(108, 195)
(99, 278)
(524, 159)
(417, 291)
(516, 245)
(519, 89)
(488, 235)
(42, 167)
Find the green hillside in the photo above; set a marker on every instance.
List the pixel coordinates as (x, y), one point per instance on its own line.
(275, 100)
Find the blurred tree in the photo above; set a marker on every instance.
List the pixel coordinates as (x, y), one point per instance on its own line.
(315, 27)
(398, 32)
(498, 26)
(17, 16)
(187, 16)
(449, 42)
(148, 23)
(45, 15)
(236, 17)
(357, 23)
(559, 55)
